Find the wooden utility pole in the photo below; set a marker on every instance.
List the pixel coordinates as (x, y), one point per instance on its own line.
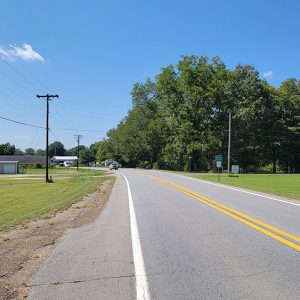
(78, 137)
(47, 98)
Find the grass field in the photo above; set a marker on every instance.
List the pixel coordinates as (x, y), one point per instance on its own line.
(65, 171)
(22, 198)
(286, 185)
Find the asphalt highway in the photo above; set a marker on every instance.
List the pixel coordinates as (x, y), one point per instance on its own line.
(167, 236)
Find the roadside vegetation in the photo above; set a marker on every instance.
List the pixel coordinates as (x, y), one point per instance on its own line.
(59, 171)
(24, 197)
(179, 120)
(286, 185)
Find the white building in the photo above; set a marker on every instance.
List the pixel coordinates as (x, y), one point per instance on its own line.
(8, 167)
(65, 160)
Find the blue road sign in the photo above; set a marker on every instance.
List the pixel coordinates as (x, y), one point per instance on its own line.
(219, 157)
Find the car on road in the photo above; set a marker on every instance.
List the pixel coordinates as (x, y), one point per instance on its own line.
(113, 167)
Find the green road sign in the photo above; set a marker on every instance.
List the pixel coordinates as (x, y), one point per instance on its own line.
(219, 157)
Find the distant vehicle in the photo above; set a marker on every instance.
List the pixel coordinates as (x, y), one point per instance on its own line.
(113, 167)
(68, 163)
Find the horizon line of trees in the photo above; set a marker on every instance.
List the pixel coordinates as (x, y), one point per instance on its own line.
(179, 120)
(86, 154)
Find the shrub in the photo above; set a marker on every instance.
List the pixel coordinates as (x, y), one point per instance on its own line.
(156, 166)
(37, 166)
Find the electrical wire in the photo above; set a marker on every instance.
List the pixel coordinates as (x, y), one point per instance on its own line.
(16, 70)
(54, 135)
(64, 117)
(42, 127)
(22, 123)
(33, 76)
(26, 78)
(18, 83)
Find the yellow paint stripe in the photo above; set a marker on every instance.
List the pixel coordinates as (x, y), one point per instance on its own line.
(237, 215)
(293, 237)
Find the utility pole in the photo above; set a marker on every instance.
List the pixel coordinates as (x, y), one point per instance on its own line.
(47, 98)
(229, 141)
(78, 137)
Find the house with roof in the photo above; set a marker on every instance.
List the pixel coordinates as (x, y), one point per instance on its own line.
(9, 164)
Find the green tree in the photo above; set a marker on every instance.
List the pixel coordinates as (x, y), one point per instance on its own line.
(56, 148)
(102, 151)
(73, 151)
(18, 152)
(289, 95)
(184, 113)
(29, 151)
(7, 149)
(40, 152)
(86, 156)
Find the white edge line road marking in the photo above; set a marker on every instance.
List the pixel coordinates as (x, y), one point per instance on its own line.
(237, 189)
(142, 288)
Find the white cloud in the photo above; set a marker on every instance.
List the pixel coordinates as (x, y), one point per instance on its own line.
(24, 53)
(268, 74)
(4, 53)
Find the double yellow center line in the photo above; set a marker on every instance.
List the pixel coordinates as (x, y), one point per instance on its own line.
(271, 231)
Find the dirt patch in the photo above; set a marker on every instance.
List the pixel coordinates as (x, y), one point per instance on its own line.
(24, 248)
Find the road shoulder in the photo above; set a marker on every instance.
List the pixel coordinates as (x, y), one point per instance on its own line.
(94, 261)
(24, 248)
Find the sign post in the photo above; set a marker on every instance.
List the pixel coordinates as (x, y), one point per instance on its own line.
(219, 159)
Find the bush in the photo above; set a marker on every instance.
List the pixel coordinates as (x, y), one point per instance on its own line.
(37, 166)
(156, 166)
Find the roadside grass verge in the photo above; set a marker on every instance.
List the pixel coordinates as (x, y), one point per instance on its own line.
(65, 171)
(286, 185)
(21, 200)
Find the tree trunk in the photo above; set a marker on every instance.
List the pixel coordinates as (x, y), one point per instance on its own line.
(274, 166)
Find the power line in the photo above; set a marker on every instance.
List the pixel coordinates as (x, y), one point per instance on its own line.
(16, 70)
(71, 129)
(36, 139)
(11, 78)
(72, 125)
(54, 135)
(41, 84)
(33, 76)
(15, 101)
(21, 123)
(41, 127)
(99, 105)
(62, 117)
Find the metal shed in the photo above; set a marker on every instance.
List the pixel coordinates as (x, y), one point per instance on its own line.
(8, 167)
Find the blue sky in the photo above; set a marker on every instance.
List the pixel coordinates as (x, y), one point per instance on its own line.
(92, 52)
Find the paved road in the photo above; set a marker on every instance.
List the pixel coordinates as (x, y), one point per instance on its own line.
(194, 240)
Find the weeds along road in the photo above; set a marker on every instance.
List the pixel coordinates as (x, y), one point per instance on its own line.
(174, 237)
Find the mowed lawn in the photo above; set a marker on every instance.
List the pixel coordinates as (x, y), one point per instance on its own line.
(286, 185)
(22, 197)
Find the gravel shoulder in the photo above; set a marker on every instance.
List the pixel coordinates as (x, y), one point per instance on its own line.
(25, 247)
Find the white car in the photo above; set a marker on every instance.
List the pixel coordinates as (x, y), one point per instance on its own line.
(113, 167)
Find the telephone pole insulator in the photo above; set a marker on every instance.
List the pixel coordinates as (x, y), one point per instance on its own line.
(48, 98)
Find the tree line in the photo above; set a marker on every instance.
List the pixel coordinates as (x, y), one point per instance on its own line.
(179, 120)
(86, 154)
